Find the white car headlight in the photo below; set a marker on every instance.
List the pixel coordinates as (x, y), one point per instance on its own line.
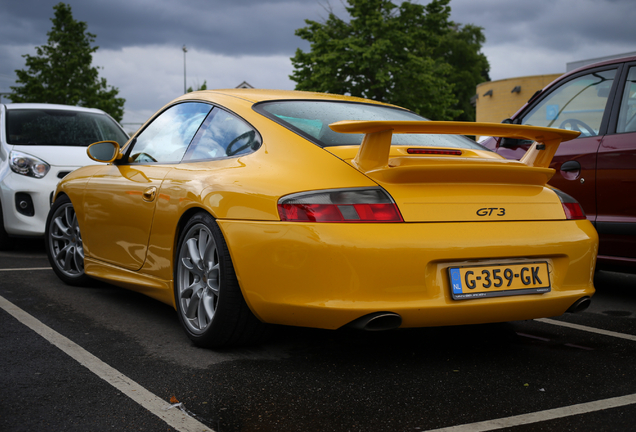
(28, 165)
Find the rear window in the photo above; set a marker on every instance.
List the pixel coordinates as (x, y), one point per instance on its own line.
(311, 119)
(60, 127)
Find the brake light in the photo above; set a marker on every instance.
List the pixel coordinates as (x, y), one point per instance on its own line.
(340, 205)
(571, 207)
(573, 211)
(434, 151)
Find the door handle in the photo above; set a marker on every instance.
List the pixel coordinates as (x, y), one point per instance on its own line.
(149, 194)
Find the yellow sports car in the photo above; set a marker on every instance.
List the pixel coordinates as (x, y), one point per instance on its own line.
(243, 208)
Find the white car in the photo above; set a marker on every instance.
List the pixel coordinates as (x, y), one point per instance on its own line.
(39, 145)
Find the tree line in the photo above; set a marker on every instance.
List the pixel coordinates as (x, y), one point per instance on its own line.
(410, 55)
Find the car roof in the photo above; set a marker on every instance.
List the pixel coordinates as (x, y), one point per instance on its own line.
(261, 95)
(13, 106)
(602, 63)
(573, 72)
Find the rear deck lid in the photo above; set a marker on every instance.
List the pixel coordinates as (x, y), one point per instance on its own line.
(459, 184)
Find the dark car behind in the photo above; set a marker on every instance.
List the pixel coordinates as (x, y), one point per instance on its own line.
(599, 167)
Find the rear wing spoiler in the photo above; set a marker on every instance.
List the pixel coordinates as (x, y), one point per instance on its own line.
(376, 145)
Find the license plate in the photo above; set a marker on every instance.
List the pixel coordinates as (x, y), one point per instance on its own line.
(471, 282)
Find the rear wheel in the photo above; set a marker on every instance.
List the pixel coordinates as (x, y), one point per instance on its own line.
(63, 241)
(209, 301)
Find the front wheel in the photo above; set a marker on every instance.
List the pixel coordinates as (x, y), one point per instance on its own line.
(64, 247)
(209, 301)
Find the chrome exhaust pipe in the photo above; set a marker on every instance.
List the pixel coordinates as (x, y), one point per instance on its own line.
(377, 321)
(580, 305)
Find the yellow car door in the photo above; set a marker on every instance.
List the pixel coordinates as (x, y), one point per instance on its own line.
(119, 206)
(120, 199)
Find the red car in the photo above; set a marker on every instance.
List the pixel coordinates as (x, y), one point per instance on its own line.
(599, 167)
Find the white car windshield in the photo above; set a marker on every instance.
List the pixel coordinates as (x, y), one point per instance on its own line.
(60, 127)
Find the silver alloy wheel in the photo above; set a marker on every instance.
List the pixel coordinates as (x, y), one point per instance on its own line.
(198, 278)
(65, 241)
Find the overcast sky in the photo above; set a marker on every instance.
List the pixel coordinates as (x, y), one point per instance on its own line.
(231, 41)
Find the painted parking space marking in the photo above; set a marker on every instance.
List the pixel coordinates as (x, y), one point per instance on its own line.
(587, 329)
(184, 423)
(25, 269)
(157, 406)
(541, 416)
(556, 413)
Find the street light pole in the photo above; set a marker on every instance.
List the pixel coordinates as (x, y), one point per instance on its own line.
(185, 50)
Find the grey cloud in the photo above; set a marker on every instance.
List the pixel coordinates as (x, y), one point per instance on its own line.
(554, 24)
(266, 27)
(241, 27)
(540, 35)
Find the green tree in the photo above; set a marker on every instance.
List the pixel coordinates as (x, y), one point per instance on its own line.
(401, 55)
(62, 73)
(461, 49)
(203, 86)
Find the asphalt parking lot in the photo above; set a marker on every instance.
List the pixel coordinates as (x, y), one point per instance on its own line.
(103, 358)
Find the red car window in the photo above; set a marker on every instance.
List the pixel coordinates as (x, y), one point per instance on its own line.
(577, 105)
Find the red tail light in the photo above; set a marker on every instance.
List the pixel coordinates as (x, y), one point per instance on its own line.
(571, 207)
(340, 205)
(573, 211)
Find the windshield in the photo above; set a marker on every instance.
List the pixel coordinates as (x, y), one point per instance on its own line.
(60, 127)
(311, 119)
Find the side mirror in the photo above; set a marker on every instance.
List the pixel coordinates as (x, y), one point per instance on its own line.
(104, 151)
(513, 142)
(509, 143)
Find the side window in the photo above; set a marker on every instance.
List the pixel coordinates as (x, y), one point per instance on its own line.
(578, 104)
(222, 135)
(627, 114)
(168, 136)
(109, 130)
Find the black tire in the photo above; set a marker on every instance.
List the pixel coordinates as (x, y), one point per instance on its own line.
(63, 242)
(5, 241)
(210, 305)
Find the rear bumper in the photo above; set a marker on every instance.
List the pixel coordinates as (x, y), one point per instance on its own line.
(327, 275)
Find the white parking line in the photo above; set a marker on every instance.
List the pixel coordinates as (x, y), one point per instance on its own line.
(556, 413)
(540, 416)
(25, 269)
(184, 423)
(587, 329)
(157, 406)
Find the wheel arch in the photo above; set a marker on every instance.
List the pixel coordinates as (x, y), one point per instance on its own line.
(181, 223)
(59, 195)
